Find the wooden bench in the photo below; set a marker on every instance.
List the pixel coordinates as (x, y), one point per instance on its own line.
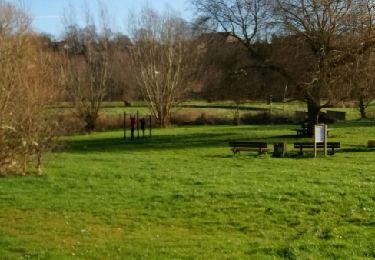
(310, 145)
(237, 146)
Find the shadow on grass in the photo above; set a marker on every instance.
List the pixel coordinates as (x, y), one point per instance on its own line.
(355, 123)
(357, 149)
(166, 142)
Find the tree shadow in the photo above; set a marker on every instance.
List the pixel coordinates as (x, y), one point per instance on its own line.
(169, 142)
(355, 123)
(357, 149)
(165, 142)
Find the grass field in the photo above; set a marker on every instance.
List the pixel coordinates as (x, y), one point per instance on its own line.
(182, 195)
(225, 109)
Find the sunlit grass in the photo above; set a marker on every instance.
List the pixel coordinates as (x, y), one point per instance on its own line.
(181, 194)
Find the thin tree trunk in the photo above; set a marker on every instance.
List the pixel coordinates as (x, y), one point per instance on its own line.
(362, 107)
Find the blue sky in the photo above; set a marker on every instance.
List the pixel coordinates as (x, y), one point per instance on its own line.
(48, 14)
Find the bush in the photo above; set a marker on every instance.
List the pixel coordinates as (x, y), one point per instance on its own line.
(199, 118)
(70, 124)
(264, 118)
(27, 87)
(109, 122)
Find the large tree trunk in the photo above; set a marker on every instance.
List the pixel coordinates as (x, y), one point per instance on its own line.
(313, 98)
(313, 109)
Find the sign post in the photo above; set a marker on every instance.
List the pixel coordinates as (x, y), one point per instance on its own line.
(325, 140)
(320, 135)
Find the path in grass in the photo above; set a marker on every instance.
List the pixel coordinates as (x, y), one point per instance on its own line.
(182, 195)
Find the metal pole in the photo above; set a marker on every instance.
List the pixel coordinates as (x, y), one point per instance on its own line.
(137, 124)
(150, 124)
(125, 125)
(325, 140)
(315, 140)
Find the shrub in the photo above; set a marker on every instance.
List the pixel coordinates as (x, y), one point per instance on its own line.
(109, 122)
(266, 118)
(199, 118)
(69, 124)
(27, 128)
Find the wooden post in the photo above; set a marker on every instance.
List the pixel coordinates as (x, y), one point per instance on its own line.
(150, 123)
(325, 140)
(315, 150)
(125, 125)
(137, 124)
(315, 142)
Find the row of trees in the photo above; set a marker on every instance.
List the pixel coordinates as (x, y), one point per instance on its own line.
(154, 65)
(85, 68)
(319, 48)
(236, 49)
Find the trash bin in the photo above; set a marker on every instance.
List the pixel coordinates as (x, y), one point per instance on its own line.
(280, 149)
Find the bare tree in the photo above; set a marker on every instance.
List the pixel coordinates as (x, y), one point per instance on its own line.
(336, 32)
(244, 19)
(324, 34)
(27, 87)
(249, 21)
(162, 56)
(361, 84)
(86, 67)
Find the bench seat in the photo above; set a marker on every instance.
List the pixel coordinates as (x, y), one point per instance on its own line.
(237, 146)
(310, 145)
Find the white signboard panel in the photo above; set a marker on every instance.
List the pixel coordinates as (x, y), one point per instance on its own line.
(319, 134)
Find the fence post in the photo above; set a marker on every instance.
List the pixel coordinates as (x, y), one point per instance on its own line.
(124, 125)
(137, 124)
(150, 124)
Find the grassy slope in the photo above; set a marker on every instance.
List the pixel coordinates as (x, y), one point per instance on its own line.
(183, 195)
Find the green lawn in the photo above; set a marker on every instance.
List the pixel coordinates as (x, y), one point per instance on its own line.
(223, 109)
(227, 109)
(182, 195)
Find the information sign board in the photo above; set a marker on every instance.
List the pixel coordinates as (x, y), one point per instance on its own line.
(320, 133)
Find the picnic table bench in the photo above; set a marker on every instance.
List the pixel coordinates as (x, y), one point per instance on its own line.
(237, 146)
(310, 145)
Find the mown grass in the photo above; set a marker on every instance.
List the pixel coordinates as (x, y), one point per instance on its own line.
(182, 195)
(227, 109)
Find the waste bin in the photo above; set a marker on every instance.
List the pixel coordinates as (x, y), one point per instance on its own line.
(280, 149)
